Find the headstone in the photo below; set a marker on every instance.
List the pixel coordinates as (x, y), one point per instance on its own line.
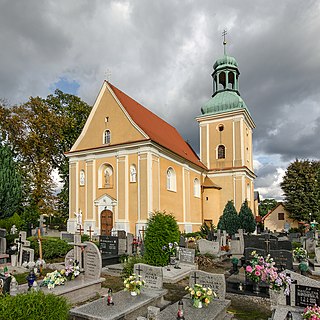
(307, 296)
(317, 254)
(182, 242)
(92, 261)
(75, 254)
(211, 247)
(122, 246)
(248, 251)
(283, 259)
(237, 245)
(23, 247)
(108, 245)
(129, 243)
(310, 245)
(153, 276)
(187, 255)
(121, 234)
(3, 241)
(294, 236)
(209, 280)
(3, 233)
(69, 237)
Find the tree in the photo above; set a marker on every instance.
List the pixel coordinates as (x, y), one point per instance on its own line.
(301, 187)
(162, 229)
(247, 220)
(40, 132)
(229, 220)
(266, 205)
(10, 184)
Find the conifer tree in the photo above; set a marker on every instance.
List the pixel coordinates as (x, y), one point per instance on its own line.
(229, 220)
(10, 184)
(247, 221)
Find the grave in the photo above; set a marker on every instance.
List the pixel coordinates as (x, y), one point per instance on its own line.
(206, 246)
(314, 264)
(237, 245)
(3, 247)
(24, 254)
(69, 237)
(283, 259)
(126, 306)
(304, 291)
(109, 248)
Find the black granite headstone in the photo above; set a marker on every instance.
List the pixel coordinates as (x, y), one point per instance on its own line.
(282, 258)
(307, 296)
(248, 251)
(109, 245)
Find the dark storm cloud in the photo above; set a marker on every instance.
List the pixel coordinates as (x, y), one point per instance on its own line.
(161, 53)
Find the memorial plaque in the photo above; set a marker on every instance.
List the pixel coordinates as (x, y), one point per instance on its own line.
(69, 258)
(108, 245)
(92, 261)
(307, 296)
(153, 276)
(69, 237)
(25, 256)
(209, 280)
(211, 247)
(187, 255)
(282, 258)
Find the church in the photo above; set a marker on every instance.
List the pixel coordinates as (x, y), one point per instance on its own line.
(128, 162)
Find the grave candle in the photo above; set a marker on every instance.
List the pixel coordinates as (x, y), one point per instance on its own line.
(109, 299)
(180, 311)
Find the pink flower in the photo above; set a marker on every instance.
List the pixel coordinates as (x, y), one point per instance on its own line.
(249, 269)
(257, 273)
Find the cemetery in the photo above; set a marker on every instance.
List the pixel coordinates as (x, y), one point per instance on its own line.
(246, 269)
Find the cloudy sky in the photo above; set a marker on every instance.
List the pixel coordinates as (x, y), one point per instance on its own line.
(161, 53)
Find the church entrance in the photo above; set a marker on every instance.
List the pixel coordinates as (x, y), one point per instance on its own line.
(106, 222)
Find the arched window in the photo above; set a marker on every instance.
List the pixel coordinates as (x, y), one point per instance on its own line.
(221, 152)
(171, 180)
(133, 173)
(196, 187)
(82, 178)
(107, 137)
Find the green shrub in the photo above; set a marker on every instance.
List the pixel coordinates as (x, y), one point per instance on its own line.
(129, 264)
(162, 229)
(34, 306)
(51, 247)
(296, 244)
(85, 237)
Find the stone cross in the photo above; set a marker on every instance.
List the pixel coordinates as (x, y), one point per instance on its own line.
(21, 242)
(90, 230)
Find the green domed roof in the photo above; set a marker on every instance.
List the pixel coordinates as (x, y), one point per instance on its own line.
(226, 61)
(223, 101)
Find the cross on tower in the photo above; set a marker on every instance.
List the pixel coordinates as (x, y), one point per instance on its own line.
(108, 74)
(224, 33)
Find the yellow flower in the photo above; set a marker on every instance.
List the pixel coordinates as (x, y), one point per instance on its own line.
(127, 285)
(206, 300)
(192, 292)
(198, 293)
(209, 293)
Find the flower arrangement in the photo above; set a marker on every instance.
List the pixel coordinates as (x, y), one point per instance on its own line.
(133, 284)
(263, 269)
(300, 254)
(72, 270)
(201, 294)
(171, 249)
(225, 248)
(53, 279)
(312, 313)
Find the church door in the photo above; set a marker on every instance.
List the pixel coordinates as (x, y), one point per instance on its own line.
(106, 222)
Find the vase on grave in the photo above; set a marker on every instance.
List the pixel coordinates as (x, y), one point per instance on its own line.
(197, 303)
(256, 287)
(172, 260)
(14, 260)
(133, 293)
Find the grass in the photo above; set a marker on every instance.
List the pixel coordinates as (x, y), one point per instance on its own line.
(247, 313)
(22, 277)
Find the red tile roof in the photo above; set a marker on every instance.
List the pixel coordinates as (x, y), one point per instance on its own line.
(157, 129)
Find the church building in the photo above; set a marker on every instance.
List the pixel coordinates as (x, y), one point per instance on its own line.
(128, 162)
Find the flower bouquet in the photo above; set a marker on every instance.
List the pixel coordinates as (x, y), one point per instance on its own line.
(72, 270)
(312, 313)
(133, 284)
(53, 279)
(300, 254)
(200, 294)
(171, 251)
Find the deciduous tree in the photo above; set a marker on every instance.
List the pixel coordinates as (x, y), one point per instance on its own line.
(266, 205)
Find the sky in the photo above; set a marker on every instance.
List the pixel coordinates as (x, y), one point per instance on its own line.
(161, 53)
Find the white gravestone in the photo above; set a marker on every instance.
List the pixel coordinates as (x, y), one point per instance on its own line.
(153, 276)
(92, 261)
(211, 247)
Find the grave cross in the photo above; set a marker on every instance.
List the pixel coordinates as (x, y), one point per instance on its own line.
(267, 242)
(139, 270)
(40, 249)
(80, 229)
(90, 230)
(195, 277)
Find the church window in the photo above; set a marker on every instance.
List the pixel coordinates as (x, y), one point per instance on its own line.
(281, 216)
(196, 187)
(133, 173)
(221, 152)
(107, 137)
(220, 127)
(171, 180)
(82, 178)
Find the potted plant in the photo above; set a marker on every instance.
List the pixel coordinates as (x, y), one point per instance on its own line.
(200, 295)
(235, 262)
(171, 250)
(303, 267)
(300, 254)
(133, 284)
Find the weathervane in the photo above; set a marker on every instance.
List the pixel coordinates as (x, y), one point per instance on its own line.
(107, 74)
(224, 33)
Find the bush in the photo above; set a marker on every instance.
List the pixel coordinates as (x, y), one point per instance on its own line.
(161, 229)
(34, 306)
(296, 244)
(129, 264)
(51, 247)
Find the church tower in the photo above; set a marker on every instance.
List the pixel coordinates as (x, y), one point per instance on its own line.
(226, 142)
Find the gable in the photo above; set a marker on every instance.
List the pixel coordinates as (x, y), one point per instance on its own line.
(108, 114)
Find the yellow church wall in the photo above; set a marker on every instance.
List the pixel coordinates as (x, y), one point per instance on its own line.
(143, 185)
(133, 193)
(203, 144)
(274, 224)
(155, 183)
(108, 115)
(194, 214)
(89, 190)
(238, 156)
(122, 184)
(73, 206)
(211, 205)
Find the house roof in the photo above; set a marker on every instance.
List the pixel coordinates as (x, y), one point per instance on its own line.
(157, 129)
(269, 213)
